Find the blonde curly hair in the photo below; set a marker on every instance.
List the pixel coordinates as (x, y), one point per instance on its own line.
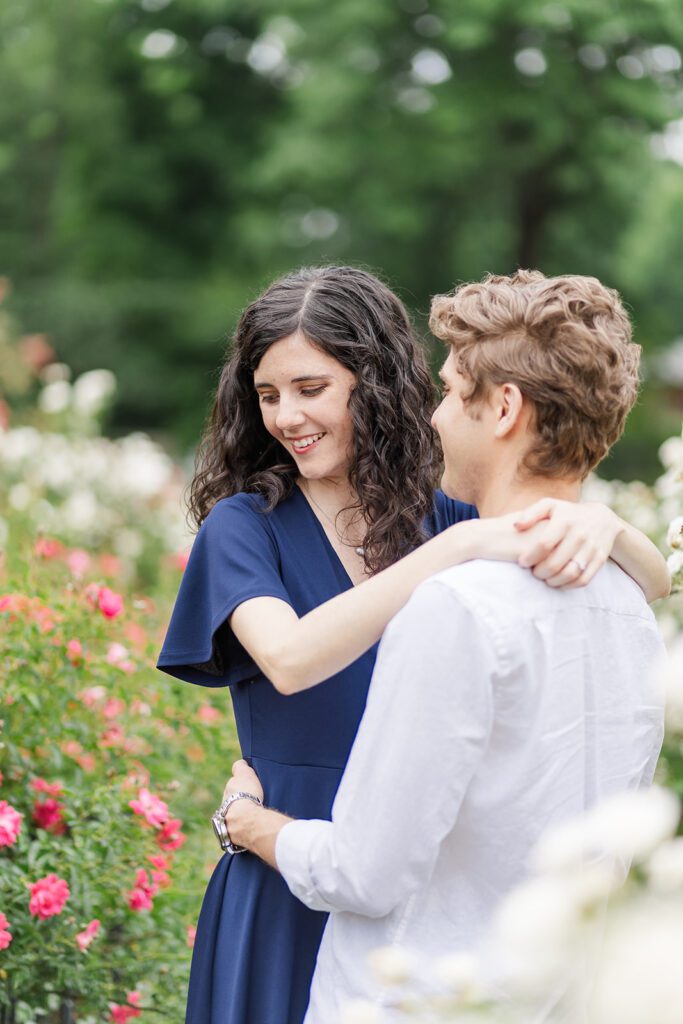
(565, 342)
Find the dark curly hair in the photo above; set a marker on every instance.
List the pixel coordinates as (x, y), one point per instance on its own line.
(356, 319)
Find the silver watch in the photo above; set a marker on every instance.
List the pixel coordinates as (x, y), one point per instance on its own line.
(219, 825)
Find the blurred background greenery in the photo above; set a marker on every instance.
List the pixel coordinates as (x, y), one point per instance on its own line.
(162, 160)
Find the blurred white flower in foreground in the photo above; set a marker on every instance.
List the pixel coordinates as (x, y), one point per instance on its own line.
(639, 979)
(665, 868)
(361, 1011)
(672, 678)
(392, 965)
(627, 826)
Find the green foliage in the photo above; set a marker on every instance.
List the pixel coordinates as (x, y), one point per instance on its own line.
(101, 724)
(161, 161)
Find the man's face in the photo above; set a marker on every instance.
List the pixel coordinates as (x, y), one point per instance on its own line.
(467, 437)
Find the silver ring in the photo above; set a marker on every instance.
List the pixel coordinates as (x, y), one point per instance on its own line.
(581, 568)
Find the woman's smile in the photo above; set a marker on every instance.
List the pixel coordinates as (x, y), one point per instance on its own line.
(306, 443)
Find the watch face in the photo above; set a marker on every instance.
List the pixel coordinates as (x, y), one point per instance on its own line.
(215, 821)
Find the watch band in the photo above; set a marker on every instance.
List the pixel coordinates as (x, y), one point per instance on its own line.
(219, 824)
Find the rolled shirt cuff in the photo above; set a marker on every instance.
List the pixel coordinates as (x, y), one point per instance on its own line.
(295, 847)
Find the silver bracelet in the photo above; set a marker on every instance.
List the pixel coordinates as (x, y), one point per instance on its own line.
(220, 827)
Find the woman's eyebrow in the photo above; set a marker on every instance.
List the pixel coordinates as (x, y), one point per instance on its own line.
(295, 380)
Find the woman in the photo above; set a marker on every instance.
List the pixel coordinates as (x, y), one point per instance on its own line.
(315, 495)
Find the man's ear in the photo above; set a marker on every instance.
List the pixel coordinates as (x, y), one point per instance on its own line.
(509, 405)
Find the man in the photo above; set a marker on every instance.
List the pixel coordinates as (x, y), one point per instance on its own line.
(498, 706)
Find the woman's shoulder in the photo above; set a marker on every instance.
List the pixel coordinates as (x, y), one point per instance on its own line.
(242, 502)
(449, 511)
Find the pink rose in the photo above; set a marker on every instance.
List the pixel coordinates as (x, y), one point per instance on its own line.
(48, 814)
(170, 837)
(113, 707)
(78, 562)
(109, 603)
(39, 785)
(48, 896)
(74, 652)
(122, 1014)
(10, 824)
(91, 695)
(160, 862)
(180, 560)
(207, 713)
(191, 935)
(85, 937)
(116, 652)
(139, 899)
(46, 547)
(153, 810)
(5, 934)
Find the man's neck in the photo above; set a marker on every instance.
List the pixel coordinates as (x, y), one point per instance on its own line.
(504, 496)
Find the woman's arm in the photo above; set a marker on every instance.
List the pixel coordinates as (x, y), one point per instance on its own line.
(297, 653)
(595, 534)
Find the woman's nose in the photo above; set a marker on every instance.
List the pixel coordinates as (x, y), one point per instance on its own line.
(289, 415)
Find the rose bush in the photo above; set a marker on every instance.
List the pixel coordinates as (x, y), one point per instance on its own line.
(109, 770)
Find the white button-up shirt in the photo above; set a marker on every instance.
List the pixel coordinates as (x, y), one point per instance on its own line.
(498, 707)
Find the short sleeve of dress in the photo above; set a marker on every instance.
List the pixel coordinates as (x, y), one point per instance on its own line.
(234, 558)
(448, 512)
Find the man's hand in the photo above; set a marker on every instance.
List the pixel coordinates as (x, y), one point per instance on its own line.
(248, 825)
(243, 780)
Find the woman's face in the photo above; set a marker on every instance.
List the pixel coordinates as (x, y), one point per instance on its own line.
(304, 401)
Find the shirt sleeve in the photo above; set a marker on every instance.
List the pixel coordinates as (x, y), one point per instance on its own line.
(425, 728)
(234, 558)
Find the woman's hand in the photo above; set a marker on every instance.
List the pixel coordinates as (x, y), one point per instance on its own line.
(567, 541)
(243, 780)
(564, 543)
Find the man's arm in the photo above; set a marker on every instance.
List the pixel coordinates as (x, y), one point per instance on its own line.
(425, 728)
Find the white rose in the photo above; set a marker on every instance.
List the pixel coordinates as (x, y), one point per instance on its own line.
(639, 976)
(675, 562)
(671, 675)
(627, 826)
(671, 453)
(535, 930)
(665, 867)
(392, 965)
(458, 972)
(361, 1011)
(55, 397)
(92, 390)
(674, 536)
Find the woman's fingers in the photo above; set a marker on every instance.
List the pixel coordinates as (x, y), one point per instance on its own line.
(577, 572)
(540, 543)
(540, 510)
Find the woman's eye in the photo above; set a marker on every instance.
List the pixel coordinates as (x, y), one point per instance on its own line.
(268, 399)
(309, 392)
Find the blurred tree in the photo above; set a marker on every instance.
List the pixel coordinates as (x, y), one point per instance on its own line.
(165, 158)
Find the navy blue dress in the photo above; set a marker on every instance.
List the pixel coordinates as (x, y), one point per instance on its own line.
(256, 945)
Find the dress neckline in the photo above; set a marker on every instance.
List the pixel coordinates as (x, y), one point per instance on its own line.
(339, 565)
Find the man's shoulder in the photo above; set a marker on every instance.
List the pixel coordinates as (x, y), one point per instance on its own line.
(510, 591)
